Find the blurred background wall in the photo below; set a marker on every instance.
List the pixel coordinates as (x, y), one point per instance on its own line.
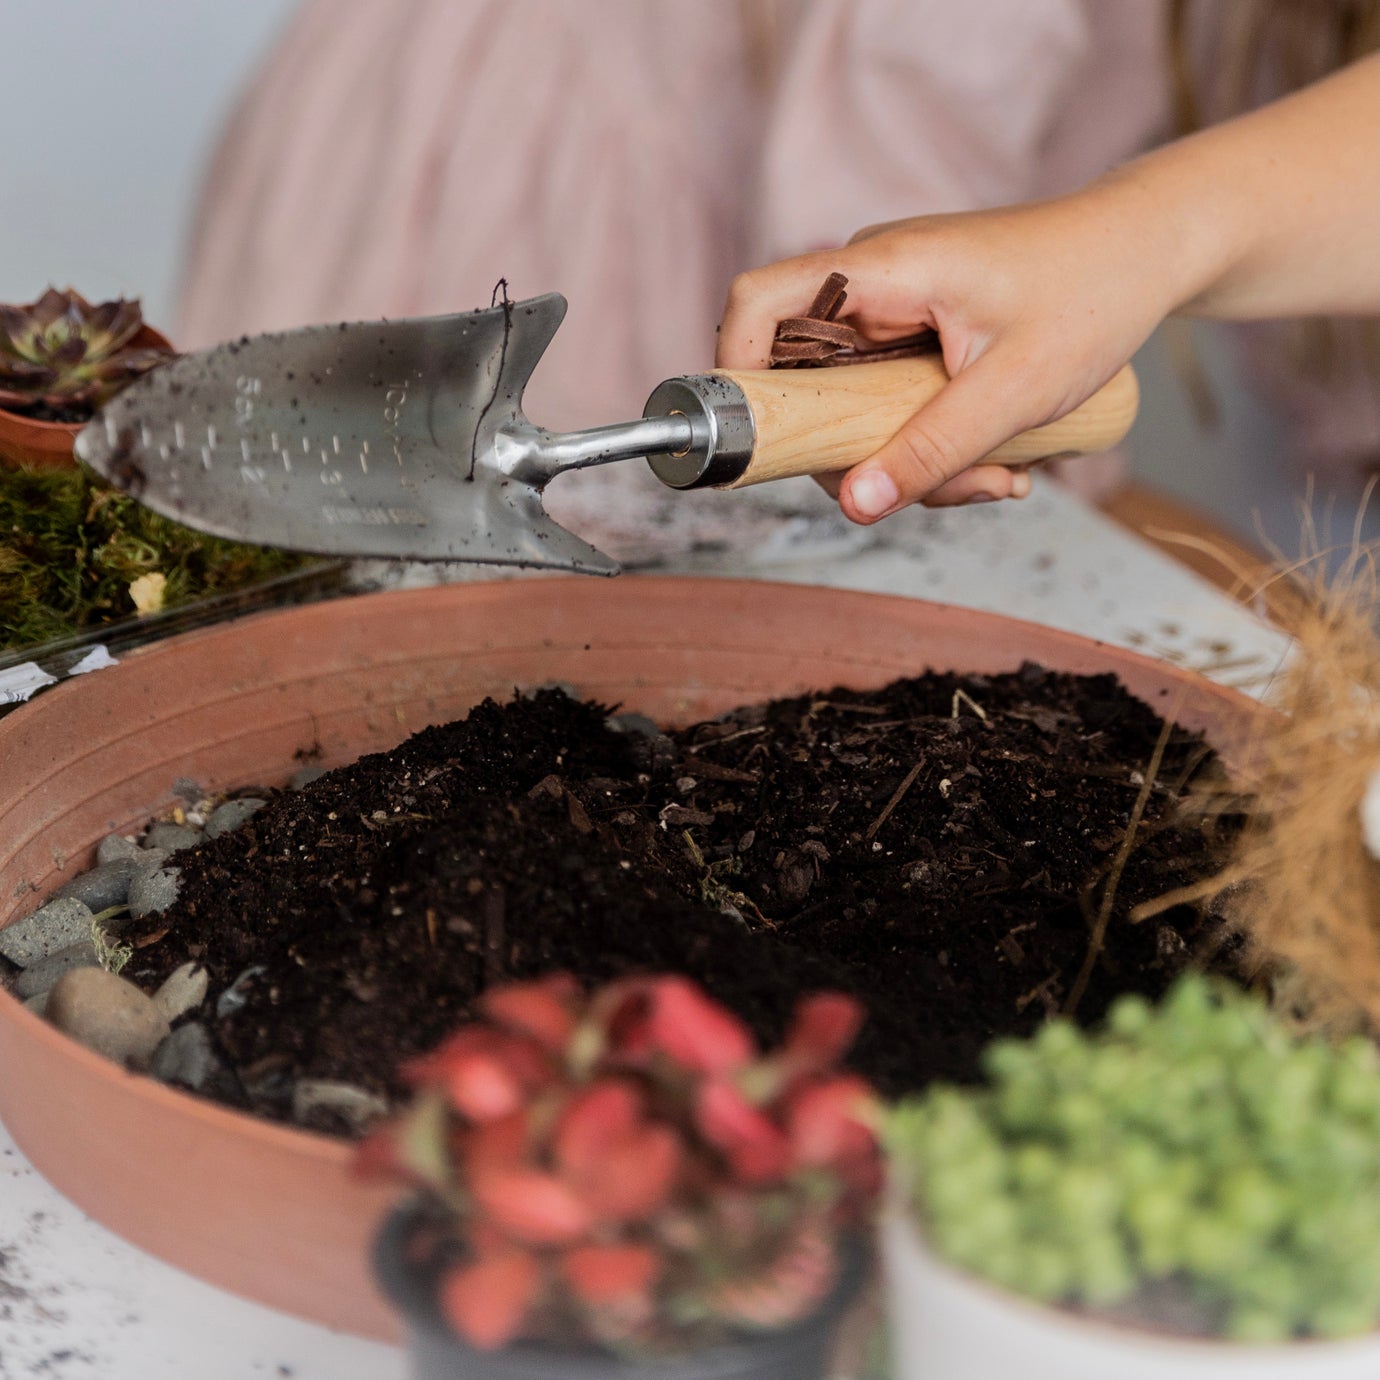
(113, 106)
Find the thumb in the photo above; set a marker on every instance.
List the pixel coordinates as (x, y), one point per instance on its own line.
(973, 414)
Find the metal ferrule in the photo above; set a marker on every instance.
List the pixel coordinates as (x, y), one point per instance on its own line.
(722, 434)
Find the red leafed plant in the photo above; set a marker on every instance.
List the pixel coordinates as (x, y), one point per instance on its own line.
(626, 1168)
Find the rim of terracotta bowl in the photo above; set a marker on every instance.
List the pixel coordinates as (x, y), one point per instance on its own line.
(657, 628)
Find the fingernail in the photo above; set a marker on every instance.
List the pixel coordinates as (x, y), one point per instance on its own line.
(979, 498)
(1020, 484)
(874, 493)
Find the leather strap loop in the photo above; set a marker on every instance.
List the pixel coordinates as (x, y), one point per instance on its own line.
(818, 339)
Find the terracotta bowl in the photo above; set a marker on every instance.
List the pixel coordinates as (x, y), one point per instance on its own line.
(269, 1212)
(48, 445)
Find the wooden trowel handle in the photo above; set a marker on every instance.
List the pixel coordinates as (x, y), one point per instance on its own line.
(810, 421)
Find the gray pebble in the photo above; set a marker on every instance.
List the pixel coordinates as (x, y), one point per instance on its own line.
(153, 888)
(187, 1057)
(58, 925)
(304, 776)
(113, 847)
(561, 687)
(269, 1079)
(171, 837)
(183, 990)
(108, 1015)
(103, 887)
(354, 1105)
(232, 814)
(36, 979)
(37, 1004)
(639, 725)
(233, 998)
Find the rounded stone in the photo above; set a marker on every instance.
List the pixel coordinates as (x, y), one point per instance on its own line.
(183, 990)
(304, 776)
(108, 1015)
(232, 814)
(39, 977)
(153, 888)
(187, 1057)
(171, 837)
(357, 1106)
(103, 887)
(113, 847)
(637, 725)
(48, 930)
(235, 997)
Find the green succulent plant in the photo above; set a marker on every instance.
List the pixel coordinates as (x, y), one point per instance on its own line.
(1194, 1163)
(62, 357)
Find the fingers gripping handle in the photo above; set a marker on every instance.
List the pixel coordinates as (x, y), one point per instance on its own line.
(754, 425)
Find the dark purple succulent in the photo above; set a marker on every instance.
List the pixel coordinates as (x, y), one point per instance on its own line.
(63, 358)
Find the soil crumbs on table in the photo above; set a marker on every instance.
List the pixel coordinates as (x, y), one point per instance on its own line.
(939, 847)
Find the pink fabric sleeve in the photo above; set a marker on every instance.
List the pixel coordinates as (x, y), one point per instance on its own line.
(894, 108)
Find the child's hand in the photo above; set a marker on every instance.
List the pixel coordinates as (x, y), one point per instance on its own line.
(1036, 307)
(1272, 214)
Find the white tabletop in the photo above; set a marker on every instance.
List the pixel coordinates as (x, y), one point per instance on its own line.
(78, 1303)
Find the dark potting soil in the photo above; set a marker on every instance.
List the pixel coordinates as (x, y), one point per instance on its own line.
(938, 847)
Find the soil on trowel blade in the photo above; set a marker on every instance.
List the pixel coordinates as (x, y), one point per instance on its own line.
(938, 847)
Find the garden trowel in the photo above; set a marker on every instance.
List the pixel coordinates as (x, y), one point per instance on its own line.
(407, 439)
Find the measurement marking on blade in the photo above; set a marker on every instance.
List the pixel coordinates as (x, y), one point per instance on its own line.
(179, 435)
(287, 463)
(211, 437)
(306, 445)
(335, 444)
(244, 449)
(372, 517)
(394, 399)
(145, 436)
(363, 462)
(163, 451)
(206, 457)
(112, 435)
(273, 441)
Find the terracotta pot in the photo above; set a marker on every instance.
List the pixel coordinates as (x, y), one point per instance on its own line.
(272, 1212)
(946, 1325)
(48, 445)
(799, 1352)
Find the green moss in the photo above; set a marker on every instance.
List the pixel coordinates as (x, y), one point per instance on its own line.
(70, 547)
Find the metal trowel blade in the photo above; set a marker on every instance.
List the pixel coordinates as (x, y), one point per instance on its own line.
(382, 439)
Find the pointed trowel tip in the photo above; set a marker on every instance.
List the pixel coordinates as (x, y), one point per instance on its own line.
(88, 443)
(110, 451)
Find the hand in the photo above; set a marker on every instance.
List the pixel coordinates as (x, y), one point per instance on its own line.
(1036, 307)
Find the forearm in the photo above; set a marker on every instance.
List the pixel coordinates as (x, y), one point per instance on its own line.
(1274, 214)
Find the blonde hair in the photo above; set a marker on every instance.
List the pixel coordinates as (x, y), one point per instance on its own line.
(1229, 56)
(1258, 50)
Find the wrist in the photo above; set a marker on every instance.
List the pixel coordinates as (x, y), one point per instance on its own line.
(1184, 226)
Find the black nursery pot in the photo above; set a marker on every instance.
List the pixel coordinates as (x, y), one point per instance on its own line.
(799, 1352)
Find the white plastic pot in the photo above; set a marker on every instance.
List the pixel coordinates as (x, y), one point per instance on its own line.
(946, 1325)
